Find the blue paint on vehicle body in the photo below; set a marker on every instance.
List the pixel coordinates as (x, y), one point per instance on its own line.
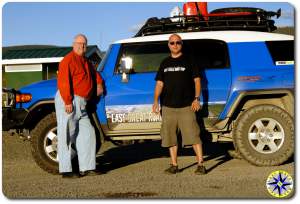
(40, 91)
(251, 68)
(255, 61)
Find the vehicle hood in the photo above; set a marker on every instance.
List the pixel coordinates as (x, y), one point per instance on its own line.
(40, 91)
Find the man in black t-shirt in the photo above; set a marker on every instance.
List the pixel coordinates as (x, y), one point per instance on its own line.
(178, 87)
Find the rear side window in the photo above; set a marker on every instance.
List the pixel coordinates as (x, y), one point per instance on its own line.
(282, 52)
(146, 57)
(209, 54)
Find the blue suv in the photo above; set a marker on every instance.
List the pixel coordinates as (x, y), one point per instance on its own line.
(247, 95)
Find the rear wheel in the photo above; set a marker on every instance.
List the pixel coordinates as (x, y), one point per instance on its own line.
(264, 135)
(235, 154)
(237, 9)
(256, 19)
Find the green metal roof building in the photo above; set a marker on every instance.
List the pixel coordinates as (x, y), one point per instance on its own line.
(23, 65)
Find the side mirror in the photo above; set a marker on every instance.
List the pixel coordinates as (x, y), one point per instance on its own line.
(125, 67)
(126, 64)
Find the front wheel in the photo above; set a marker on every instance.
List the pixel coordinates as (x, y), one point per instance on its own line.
(44, 144)
(264, 135)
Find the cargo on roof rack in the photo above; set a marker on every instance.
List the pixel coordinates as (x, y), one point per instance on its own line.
(236, 18)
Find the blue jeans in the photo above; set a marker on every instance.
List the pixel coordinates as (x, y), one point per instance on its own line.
(75, 128)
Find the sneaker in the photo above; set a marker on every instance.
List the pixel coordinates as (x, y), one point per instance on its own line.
(89, 173)
(69, 175)
(200, 170)
(172, 170)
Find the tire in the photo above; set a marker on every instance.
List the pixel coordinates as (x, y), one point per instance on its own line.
(237, 9)
(235, 154)
(243, 19)
(44, 144)
(264, 135)
(44, 137)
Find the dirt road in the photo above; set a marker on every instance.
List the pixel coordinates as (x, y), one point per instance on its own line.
(136, 171)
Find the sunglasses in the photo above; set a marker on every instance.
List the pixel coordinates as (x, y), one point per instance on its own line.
(176, 42)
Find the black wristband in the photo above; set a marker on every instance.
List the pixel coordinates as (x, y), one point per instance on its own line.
(197, 98)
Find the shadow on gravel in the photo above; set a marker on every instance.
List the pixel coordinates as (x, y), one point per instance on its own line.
(129, 195)
(118, 157)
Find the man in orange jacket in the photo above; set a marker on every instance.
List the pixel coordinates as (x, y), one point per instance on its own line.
(75, 88)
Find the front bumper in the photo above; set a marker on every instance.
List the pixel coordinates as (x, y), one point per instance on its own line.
(13, 118)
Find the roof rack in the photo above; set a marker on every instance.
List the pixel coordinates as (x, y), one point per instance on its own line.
(256, 21)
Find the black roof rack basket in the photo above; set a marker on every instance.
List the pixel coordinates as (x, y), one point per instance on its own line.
(258, 21)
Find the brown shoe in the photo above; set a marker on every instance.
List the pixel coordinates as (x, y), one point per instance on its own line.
(200, 170)
(172, 169)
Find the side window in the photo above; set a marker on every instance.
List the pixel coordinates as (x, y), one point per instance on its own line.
(282, 52)
(146, 57)
(209, 54)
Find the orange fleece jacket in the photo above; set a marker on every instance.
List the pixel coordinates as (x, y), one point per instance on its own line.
(75, 77)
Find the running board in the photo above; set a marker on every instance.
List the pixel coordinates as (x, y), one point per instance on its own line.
(142, 137)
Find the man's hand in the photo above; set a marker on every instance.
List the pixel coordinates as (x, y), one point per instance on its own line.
(155, 108)
(69, 108)
(196, 105)
(99, 89)
(158, 89)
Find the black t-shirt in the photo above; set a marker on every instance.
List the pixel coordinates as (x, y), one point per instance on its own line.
(178, 75)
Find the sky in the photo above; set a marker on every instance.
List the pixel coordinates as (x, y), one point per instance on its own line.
(55, 23)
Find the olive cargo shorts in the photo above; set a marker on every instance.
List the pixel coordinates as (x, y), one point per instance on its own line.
(183, 119)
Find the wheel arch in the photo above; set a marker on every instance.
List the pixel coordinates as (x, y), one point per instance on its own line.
(37, 112)
(41, 109)
(283, 99)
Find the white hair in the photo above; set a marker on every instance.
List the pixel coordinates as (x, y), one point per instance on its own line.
(80, 35)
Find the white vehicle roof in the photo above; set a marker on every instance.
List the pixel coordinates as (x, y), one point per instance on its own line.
(227, 36)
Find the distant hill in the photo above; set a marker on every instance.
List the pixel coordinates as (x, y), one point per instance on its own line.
(286, 30)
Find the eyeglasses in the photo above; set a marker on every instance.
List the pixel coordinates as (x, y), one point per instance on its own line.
(176, 42)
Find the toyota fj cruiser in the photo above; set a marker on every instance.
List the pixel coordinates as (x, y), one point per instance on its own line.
(247, 91)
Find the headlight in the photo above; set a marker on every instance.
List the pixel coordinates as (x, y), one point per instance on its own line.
(8, 97)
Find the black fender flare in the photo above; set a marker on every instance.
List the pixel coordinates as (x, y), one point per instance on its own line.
(222, 124)
(32, 110)
(259, 93)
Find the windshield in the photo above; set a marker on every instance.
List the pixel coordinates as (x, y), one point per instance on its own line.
(103, 61)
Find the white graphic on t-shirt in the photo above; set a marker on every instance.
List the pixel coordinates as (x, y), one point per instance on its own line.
(174, 69)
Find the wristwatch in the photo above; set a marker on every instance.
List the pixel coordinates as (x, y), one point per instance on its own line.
(197, 98)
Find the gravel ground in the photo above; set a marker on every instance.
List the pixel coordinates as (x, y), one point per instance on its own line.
(136, 171)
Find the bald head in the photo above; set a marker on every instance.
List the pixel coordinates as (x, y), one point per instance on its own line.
(175, 45)
(174, 36)
(80, 36)
(80, 44)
